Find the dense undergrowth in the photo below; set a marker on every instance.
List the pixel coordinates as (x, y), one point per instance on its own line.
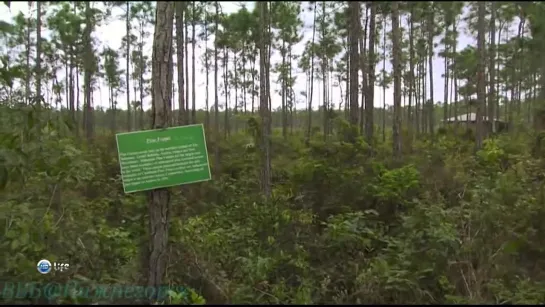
(445, 225)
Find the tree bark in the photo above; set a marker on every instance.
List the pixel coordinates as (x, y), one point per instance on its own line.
(264, 101)
(480, 73)
(309, 124)
(431, 102)
(492, 69)
(207, 69)
(162, 100)
(38, 53)
(89, 63)
(193, 43)
(216, 89)
(127, 73)
(412, 95)
(180, 60)
(396, 49)
(369, 105)
(364, 69)
(353, 33)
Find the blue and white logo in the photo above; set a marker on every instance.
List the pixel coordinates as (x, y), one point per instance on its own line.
(44, 266)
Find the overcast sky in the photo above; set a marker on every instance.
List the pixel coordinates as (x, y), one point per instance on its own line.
(111, 34)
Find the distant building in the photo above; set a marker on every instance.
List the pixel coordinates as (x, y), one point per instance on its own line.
(470, 120)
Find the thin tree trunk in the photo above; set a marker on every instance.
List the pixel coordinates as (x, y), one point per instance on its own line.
(353, 36)
(364, 69)
(180, 61)
(455, 76)
(418, 97)
(431, 102)
(216, 99)
(244, 75)
(254, 72)
(480, 72)
(263, 108)
(186, 65)
(411, 75)
(38, 53)
(384, 80)
(425, 101)
(292, 98)
(88, 71)
(396, 50)
(283, 92)
(127, 73)
(324, 74)
(309, 125)
(492, 69)
(226, 85)
(347, 83)
(193, 42)
(141, 79)
(445, 102)
(27, 55)
(369, 99)
(207, 68)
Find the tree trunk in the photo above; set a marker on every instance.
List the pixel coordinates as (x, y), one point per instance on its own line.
(226, 89)
(77, 92)
(347, 83)
(492, 69)
(254, 72)
(364, 68)
(235, 84)
(89, 62)
(244, 76)
(207, 69)
(193, 43)
(292, 98)
(480, 73)
(161, 96)
(411, 75)
(141, 78)
(520, 62)
(283, 92)
(369, 105)
(38, 53)
(431, 115)
(27, 55)
(186, 65)
(309, 125)
(71, 92)
(180, 61)
(454, 75)
(264, 101)
(324, 73)
(216, 89)
(445, 88)
(384, 79)
(127, 72)
(353, 34)
(418, 97)
(396, 50)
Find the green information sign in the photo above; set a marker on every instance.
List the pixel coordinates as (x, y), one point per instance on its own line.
(163, 158)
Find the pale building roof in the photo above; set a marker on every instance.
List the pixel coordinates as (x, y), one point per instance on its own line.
(471, 117)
